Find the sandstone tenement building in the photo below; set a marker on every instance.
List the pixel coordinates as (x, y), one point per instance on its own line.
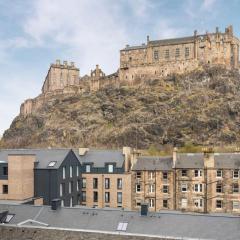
(192, 182)
(152, 60)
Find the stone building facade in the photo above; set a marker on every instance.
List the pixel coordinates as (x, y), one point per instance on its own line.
(180, 55)
(193, 182)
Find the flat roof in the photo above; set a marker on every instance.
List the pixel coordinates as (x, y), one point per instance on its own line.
(165, 223)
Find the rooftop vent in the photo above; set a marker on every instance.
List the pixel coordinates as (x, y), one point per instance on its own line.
(56, 204)
(82, 151)
(144, 209)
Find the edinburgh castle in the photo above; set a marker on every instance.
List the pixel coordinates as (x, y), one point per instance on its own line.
(153, 60)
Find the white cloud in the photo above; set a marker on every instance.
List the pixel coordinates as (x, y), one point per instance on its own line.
(208, 4)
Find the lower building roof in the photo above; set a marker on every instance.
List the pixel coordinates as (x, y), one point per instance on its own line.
(99, 157)
(172, 224)
(43, 156)
(153, 163)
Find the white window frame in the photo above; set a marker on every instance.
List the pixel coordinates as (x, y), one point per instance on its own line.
(110, 168)
(235, 205)
(198, 203)
(198, 187)
(61, 190)
(221, 204)
(235, 171)
(64, 172)
(235, 188)
(199, 173)
(184, 185)
(151, 175)
(69, 187)
(151, 202)
(77, 169)
(152, 188)
(217, 171)
(167, 187)
(71, 171)
(88, 168)
(137, 191)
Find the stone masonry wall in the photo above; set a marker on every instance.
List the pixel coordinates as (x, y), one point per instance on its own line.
(21, 233)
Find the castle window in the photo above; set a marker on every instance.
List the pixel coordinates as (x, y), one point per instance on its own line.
(177, 53)
(155, 54)
(130, 59)
(187, 52)
(167, 55)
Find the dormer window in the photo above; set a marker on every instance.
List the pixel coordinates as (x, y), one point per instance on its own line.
(88, 168)
(110, 168)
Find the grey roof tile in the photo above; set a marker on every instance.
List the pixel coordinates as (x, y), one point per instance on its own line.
(100, 157)
(43, 156)
(153, 163)
(189, 160)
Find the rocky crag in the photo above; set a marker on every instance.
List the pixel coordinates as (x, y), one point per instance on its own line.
(200, 108)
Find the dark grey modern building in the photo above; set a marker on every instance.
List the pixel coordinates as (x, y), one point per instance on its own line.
(56, 174)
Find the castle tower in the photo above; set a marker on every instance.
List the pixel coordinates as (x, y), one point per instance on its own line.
(60, 76)
(96, 76)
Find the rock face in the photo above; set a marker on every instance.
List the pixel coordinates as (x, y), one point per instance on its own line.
(200, 108)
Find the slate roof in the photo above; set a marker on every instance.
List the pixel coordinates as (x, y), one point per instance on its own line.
(100, 157)
(227, 160)
(153, 163)
(43, 156)
(189, 160)
(164, 42)
(172, 224)
(134, 47)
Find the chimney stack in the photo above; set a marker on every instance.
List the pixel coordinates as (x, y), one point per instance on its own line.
(208, 157)
(175, 150)
(148, 39)
(82, 151)
(58, 62)
(127, 152)
(65, 63)
(72, 64)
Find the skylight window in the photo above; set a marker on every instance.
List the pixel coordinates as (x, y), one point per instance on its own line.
(52, 164)
(9, 218)
(122, 226)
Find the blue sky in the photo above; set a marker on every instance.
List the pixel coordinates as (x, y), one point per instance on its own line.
(34, 33)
